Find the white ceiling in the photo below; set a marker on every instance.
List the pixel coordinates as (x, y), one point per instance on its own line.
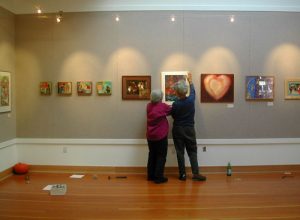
(53, 6)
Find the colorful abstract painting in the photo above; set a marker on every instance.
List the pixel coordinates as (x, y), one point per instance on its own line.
(45, 88)
(64, 88)
(104, 87)
(259, 88)
(5, 92)
(292, 88)
(84, 88)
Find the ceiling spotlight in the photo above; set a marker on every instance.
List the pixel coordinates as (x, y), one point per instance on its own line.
(117, 18)
(38, 10)
(173, 18)
(232, 19)
(59, 17)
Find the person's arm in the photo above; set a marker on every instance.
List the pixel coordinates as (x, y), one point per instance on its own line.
(192, 89)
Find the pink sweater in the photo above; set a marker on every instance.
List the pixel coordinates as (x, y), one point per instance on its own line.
(157, 123)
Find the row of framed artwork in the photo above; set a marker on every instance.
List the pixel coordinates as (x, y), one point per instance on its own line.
(215, 88)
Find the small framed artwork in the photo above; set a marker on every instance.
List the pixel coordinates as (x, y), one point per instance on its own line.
(292, 88)
(217, 88)
(168, 82)
(136, 87)
(64, 88)
(5, 92)
(104, 87)
(45, 88)
(259, 88)
(84, 88)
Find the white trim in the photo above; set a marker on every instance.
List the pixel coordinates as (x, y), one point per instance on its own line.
(222, 142)
(7, 143)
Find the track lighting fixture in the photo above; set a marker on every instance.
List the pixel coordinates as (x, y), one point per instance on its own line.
(59, 17)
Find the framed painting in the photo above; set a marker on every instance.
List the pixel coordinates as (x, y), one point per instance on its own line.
(104, 87)
(45, 88)
(259, 88)
(168, 82)
(84, 88)
(64, 88)
(217, 88)
(136, 87)
(292, 88)
(5, 92)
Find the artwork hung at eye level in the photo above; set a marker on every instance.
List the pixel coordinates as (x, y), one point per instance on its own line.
(64, 88)
(84, 88)
(259, 88)
(136, 87)
(292, 88)
(104, 87)
(168, 82)
(45, 88)
(217, 88)
(5, 92)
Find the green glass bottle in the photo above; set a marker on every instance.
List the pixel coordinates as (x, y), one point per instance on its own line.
(229, 169)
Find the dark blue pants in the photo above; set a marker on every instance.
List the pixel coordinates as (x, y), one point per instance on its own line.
(185, 138)
(157, 158)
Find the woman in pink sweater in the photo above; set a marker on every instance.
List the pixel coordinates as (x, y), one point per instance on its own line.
(157, 136)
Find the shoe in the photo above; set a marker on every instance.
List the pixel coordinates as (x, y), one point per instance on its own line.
(150, 178)
(199, 177)
(161, 180)
(182, 177)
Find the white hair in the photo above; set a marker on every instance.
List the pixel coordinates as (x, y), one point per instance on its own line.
(156, 95)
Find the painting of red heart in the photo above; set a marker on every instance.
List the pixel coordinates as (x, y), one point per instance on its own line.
(217, 88)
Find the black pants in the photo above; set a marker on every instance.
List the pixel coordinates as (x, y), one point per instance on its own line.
(185, 138)
(157, 158)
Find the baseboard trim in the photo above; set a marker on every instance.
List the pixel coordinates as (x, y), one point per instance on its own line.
(142, 170)
(6, 173)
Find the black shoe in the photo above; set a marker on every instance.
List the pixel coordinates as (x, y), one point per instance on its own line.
(150, 178)
(198, 177)
(161, 180)
(182, 177)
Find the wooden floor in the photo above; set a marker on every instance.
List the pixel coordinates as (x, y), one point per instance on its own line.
(241, 196)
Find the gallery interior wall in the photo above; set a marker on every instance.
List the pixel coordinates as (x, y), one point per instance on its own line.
(93, 47)
(7, 64)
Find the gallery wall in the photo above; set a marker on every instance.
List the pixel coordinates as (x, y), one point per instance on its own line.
(93, 46)
(7, 64)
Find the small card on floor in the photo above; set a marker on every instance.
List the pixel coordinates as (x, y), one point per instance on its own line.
(76, 176)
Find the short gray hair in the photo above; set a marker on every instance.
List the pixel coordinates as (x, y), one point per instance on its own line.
(181, 88)
(156, 95)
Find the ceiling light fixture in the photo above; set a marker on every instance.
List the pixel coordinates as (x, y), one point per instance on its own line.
(232, 18)
(59, 17)
(38, 10)
(117, 18)
(173, 18)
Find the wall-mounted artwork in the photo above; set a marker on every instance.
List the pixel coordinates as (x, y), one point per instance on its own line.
(104, 87)
(168, 82)
(259, 88)
(84, 88)
(217, 88)
(45, 88)
(5, 92)
(292, 88)
(64, 88)
(136, 87)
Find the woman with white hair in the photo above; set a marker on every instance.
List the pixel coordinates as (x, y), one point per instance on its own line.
(157, 136)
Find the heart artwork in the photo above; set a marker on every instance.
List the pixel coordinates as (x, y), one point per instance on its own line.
(217, 85)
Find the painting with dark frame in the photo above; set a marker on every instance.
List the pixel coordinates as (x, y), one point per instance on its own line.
(259, 88)
(217, 88)
(136, 87)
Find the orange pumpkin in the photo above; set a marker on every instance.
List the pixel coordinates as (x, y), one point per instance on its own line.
(21, 168)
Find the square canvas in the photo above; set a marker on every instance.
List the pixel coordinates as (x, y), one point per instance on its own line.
(217, 88)
(64, 88)
(5, 92)
(45, 88)
(168, 82)
(104, 87)
(292, 88)
(84, 88)
(259, 88)
(136, 87)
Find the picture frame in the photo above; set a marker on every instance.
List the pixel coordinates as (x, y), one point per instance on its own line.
(84, 88)
(292, 89)
(217, 88)
(64, 88)
(5, 92)
(136, 87)
(259, 88)
(168, 82)
(104, 88)
(45, 88)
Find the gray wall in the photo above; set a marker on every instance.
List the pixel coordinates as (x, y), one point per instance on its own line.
(7, 64)
(92, 46)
